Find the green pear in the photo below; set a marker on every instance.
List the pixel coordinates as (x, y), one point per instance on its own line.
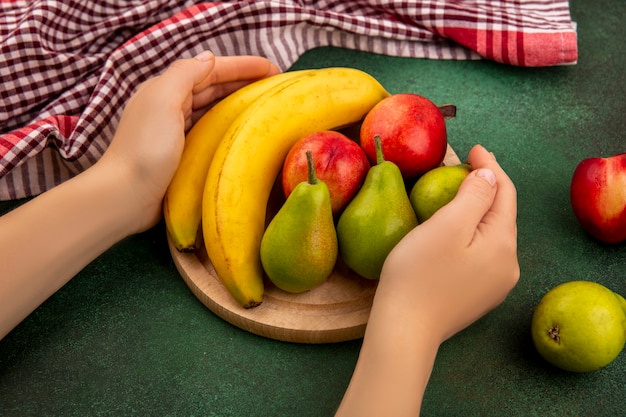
(376, 219)
(579, 326)
(436, 188)
(299, 247)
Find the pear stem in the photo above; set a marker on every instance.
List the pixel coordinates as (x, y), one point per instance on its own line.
(378, 146)
(312, 175)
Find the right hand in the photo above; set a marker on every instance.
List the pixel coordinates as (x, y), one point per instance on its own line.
(462, 262)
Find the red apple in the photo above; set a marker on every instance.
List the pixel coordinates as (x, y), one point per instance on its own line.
(412, 132)
(598, 197)
(339, 162)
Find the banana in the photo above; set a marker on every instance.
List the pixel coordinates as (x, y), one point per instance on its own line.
(182, 206)
(250, 156)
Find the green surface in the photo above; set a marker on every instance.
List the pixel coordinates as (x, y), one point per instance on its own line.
(126, 336)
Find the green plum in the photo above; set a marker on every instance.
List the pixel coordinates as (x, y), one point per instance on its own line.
(436, 188)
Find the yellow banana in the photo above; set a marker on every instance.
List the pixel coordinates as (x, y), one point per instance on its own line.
(182, 206)
(250, 156)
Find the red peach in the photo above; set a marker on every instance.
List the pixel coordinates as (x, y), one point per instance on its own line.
(598, 197)
(339, 162)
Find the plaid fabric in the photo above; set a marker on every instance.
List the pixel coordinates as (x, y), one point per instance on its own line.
(68, 66)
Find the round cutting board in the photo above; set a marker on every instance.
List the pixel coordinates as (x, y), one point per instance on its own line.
(335, 311)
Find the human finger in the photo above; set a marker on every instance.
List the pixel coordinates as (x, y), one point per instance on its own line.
(215, 90)
(504, 205)
(205, 99)
(241, 68)
(184, 76)
(230, 69)
(167, 97)
(472, 202)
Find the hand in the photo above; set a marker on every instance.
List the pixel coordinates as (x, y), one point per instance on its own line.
(442, 276)
(462, 262)
(122, 193)
(150, 137)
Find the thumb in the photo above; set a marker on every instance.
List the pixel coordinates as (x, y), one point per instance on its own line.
(473, 199)
(188, 75)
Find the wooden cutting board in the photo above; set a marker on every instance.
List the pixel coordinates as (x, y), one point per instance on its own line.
(335, 311)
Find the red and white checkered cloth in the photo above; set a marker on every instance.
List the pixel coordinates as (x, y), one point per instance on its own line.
(68, 66)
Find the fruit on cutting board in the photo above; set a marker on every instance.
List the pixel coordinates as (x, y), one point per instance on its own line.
(339, 162)
(299, 246)
(378, 217)
(412, 130)
(436, 188)
(598, 197)
(182, 205)
(580, 326)
(249, 158)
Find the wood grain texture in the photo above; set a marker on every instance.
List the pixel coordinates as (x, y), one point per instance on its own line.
(335, 311)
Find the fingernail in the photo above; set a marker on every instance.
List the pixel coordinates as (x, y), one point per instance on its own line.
(204, 56)
(488, 175)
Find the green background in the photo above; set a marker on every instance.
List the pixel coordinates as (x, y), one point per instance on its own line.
(127, 337)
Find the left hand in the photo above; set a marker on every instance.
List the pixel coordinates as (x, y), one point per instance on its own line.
(150, 137)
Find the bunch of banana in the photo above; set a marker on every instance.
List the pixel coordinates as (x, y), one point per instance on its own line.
(182, 206)
(234, 154)
(250, 156)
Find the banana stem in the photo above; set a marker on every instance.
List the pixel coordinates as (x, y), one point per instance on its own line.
(312, 175)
